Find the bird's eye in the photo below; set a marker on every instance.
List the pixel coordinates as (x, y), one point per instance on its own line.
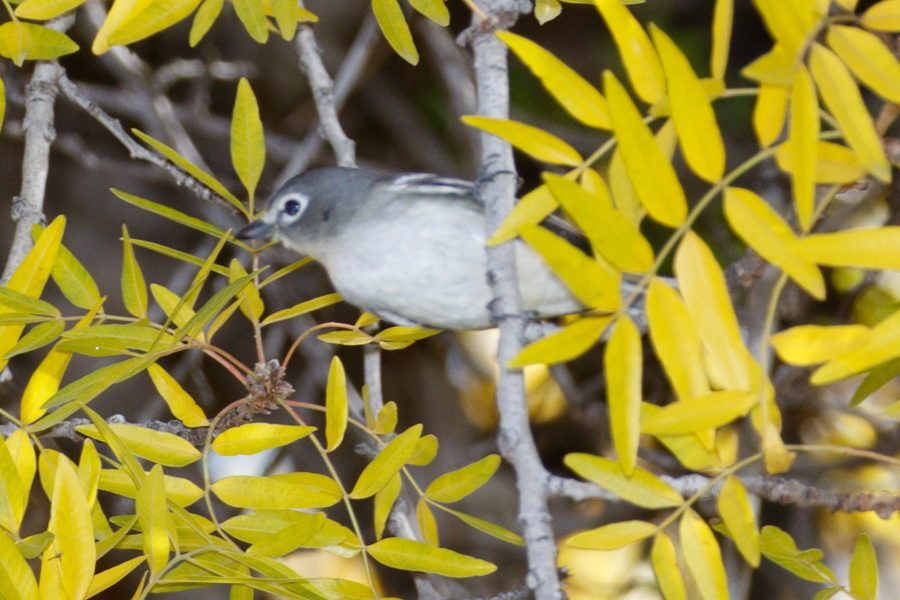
(291, 207)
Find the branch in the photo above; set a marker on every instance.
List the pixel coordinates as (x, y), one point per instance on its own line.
(28, 206)
(497, 189)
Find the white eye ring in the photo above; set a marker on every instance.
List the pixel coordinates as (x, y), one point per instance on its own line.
(293, 206)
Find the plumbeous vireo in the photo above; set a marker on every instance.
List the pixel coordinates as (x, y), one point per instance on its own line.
(409, 248)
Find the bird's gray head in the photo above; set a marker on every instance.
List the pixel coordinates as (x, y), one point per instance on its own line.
(311, 207)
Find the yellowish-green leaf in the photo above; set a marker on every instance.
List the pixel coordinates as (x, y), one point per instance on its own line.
(409, 555)
(204, 18)
(642, 488)
(111, 576)
(776, 67)
(534, 142)
(135, 337)
(302, 308)
(868, 58)
(38, 337)
(611, 234)
(388, 462)
(397, 338)
(842, 97)
(15, 41)
(179, 311)
(771, 237)
(769, 113)
(347, 338)
(637, 53)
(70, 275)
(395, 29)
(703, 288)
(159, 446)
(22, 454)
(336, 405)
(864, 570)
(384, 503)
(596, 286)
(665, 566)
(788, 21)
(89, 471)
(426, 450)
(44, 43)
(256, 437)
(179, 490)
(435, 10)
(623, 362)
(251, 14)
(613, 536)
(248, 148)
(780, 548)
(580, 99)
(270, 492)
(456, 485)
(812, 344)
(676, 341)
(648, 169)
(386, 421)
(34, 545)
(565, 345)
(155, 16)
(13, 497)
(177, 255)
(501, 533)
(532, 208)
(120, 12)
(703, 557)
(863, 248)
(90, 386)
(70, 522)
(713, 410)
(546, 10)
(834, 163)
(150, 506)
(695, 121)
(427, 522)
(41, 10)
(286, 14)
(176, 216)
(723, 21)
(804, 137)
(213, 306)
(289, 538)
(16, 577)
(20, 302)
(740, 517)
(251, 302)
(882, 16)
(134, 289)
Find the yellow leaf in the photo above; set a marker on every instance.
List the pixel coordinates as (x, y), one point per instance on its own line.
(769, 113)
(610, 233)
(703, 556)
(159, 446)
(256, 437)
(15, 41)
(723, 21)
(302, 490)
(416, 556)
(111, 576)
(289, 538)
(155, 16)
(70, 521)
(389, 461)
(22, 454)
(251, 14)
(427, 523)
(789, 22)
(804, 137)
(703, 288)
(649, 171)
(771, 237)
(546, 10)
(532, 208)
(740, 517)
(676, 341)
(582, 100)
(120, 12)
(41, 10)
(384, 503)
(2, 103)
(248, 147)
(395, 29)
(426, 450)
(868, 58)
(150, 506)
(70, 275)
(456, 485)
(251, 302)
(286, 13)
(13, 497)
(624, 197)
(864, 248)
(864, 570)
(565, 345)
(636, 51)
(89, 471)
(834, 163)
(42, 42)
(883, 16)
(623, 362)
(303, 308)
(386, 421)
(713, 410)
(695, 121)
(665, 566)
(642, 488)
(134, 289)
(182, 405)
(613, 536)
(848, 5)
(776, 67)
(812, 344)
(882, 345)
(534, 142)
(180, 491)
(16, 577)
(336, 405)
(435, 10)
(842, 97)
(593, 284)
(204, 19)
(486, 527)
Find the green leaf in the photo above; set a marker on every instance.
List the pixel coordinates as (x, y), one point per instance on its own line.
(534, 142)
(335, 405)
(251, 14)
(134, 289)
(864, 570)
(416, 556)
(156, 16)
(248, 147)
(456, 485)
(39, 336)
(395, 29)
(388, 462)
(256, 437)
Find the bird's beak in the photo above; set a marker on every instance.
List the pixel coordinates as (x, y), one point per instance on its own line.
(255, 230)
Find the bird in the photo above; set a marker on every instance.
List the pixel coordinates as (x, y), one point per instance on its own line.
(410, 247)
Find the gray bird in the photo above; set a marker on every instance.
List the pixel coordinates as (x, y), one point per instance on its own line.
(409, 248)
